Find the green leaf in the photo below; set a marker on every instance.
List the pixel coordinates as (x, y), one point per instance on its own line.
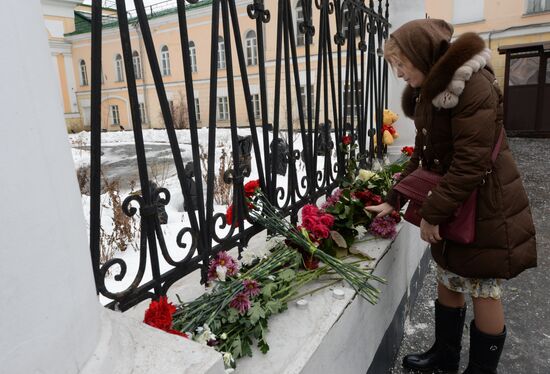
(268, 288)
(338, 239)
(245, 346)
(236, 347)
(264, 347)
(255, 313)
(232, 315)
(287, 275)
(274, 306)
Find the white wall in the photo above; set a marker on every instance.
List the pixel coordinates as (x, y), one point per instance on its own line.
(49, 315)
(402, 11)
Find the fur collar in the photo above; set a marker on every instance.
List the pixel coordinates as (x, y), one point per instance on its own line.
(445, 81)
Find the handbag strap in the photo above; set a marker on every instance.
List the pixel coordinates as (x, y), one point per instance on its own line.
(496, 150)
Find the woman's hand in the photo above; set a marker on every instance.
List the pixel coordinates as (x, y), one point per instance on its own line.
(429, 233)
(382, 209)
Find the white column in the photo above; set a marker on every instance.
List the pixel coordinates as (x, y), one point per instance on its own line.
(50, 320)
(50, 317)
(402, 11)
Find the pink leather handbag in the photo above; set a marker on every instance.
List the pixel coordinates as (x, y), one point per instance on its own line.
(416, 187)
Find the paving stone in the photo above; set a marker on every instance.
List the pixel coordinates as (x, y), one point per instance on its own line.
(526, 298)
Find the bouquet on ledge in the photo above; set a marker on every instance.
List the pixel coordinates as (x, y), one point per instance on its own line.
(245, 295)
(359, 279)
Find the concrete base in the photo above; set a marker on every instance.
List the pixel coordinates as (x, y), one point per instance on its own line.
(348, 335)
(130, 346)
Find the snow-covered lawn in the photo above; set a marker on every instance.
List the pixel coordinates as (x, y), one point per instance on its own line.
(119, 163)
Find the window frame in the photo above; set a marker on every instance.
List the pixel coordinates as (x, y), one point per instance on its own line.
(136, 61)
(119, 68)
(83, 73)
(193, 56)
(251, 42)
(221, 62)
(165, 61)
(197, 105)
(114, 113)
(222, 108)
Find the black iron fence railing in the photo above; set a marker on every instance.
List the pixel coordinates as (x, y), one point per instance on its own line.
(350, 93)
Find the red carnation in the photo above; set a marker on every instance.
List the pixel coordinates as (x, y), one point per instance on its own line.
(159, 315)
(251, 187)
(321, 231)
(407, 150)
(346, 140)
(327, 220)
(229, 215)
(309, 222)
(309, 210)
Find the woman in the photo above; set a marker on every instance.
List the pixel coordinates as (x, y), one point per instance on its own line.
(456, 104)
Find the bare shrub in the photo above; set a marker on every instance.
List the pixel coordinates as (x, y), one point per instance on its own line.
(223, 192)
(83, 177)
(125, 229)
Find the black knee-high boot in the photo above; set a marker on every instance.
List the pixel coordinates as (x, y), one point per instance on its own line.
(485, 351)
(445, 352)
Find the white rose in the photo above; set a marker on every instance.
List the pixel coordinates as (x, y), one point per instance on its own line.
(365, 175)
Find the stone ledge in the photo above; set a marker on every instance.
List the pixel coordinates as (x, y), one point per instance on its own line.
(128, 346)
(330, 335)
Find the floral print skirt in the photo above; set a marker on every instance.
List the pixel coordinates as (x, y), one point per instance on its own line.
(476, 287)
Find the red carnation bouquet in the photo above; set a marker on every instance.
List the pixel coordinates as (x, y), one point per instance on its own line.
(249, 191)
(159, 315)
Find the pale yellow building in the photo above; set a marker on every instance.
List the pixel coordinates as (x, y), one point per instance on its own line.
(165, 29)
(499, 22)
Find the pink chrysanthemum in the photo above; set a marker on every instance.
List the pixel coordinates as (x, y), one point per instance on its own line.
(223, 260)
(383, 227)
(241, 302)
(333, 199)
(251, 287)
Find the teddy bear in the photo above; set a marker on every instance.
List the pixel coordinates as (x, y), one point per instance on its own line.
(389, 133)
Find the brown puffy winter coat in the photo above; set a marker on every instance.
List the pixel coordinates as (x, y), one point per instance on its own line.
(458, 117)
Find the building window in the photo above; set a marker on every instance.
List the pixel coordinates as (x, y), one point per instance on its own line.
(115, 116)
(251, 48)
(143, 113)
(197, 109)
(537, 6)
(223, 108)
(221, 53)
(465, 11)
(119, 70)
(524, 71)
(256, 105)
(83, 73)
(137, 64)
(300, 38)
(303, 94)
(165, 60)
(193, 56)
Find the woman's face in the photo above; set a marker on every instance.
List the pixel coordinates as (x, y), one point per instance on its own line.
(406, 71)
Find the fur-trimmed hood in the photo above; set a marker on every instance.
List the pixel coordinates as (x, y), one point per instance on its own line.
(446, 79)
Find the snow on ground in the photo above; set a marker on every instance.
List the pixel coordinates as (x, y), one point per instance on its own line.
(119, 163)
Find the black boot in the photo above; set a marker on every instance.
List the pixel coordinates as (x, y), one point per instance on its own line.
(485, 351)
(444, 355)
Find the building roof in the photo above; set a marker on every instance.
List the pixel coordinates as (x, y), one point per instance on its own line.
(83, 20)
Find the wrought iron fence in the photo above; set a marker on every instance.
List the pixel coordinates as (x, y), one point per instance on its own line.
(351, 92)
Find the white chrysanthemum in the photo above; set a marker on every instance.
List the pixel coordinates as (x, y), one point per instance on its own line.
(221, 271)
